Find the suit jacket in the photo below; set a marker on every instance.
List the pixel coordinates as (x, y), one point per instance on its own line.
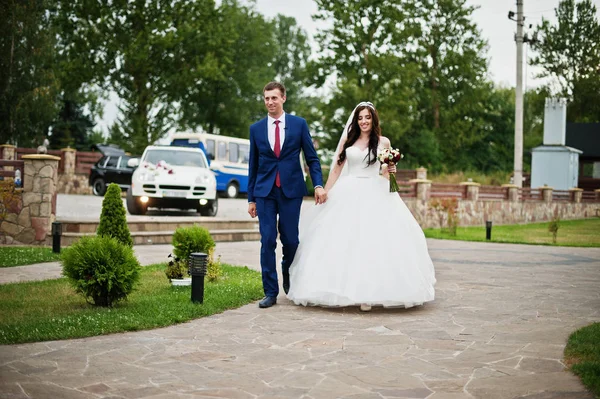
(263, 164)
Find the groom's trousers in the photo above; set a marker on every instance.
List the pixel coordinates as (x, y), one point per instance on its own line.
(288, 210)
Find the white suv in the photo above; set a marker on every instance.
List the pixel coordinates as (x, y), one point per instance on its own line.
(172, 177)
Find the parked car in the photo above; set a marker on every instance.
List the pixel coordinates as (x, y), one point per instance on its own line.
(111, 168)
(172, 177)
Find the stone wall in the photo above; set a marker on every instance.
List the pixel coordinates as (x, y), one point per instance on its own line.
(476, 213)
(30, 219)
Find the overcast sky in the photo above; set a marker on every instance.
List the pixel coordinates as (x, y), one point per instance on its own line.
(491, 18)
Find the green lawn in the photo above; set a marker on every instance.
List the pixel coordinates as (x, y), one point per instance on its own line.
(582, 354)
(572, 233)
(50, 310)
(17, 256)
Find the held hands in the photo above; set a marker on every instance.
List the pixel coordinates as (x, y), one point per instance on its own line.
(320, 195)
(252, 209)
(392, 168)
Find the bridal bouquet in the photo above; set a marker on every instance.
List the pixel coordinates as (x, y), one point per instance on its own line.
(390, 156)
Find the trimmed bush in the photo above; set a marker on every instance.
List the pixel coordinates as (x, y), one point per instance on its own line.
(187, 240)
(102, 269)
(113, 220)
(213, 269)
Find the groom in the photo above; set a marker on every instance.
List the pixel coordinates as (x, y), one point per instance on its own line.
(276, 185)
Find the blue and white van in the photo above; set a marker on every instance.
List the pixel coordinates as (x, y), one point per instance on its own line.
(227, 156)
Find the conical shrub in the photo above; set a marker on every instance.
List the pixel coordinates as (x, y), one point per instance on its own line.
(113, 221)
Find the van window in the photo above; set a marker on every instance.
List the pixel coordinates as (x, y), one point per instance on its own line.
(244, 153)
(221, 151)
(210, 149)
(233, 152)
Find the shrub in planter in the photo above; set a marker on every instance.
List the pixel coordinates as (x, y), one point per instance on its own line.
(113, 220)
(187, 240)
(102, 269)
(176, 268)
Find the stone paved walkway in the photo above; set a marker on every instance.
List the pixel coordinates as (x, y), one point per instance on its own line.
(497, 329)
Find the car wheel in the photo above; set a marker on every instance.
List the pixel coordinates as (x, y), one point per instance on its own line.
(209, 209)
(134, 205)
(99, 187)
(233, 190)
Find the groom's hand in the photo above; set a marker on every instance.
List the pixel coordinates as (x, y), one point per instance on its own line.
(252, 209)
(320, 195)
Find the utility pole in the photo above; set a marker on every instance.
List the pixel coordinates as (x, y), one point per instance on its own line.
(518, 164)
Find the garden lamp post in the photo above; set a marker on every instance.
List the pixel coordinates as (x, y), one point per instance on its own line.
(198, 263)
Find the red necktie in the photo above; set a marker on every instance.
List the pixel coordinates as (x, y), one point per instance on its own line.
(277, 150)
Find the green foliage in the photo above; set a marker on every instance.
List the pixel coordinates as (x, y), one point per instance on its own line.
(102, 269)
(582, 353)
(113, 219)
(222, 64)
(28, 79)
(575, 233)
(48, 310)
(188, 240)
(72, 127)
(424, 66)
(568, 53)
(214, 269)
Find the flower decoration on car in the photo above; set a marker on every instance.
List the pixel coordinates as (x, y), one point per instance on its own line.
(160, 167)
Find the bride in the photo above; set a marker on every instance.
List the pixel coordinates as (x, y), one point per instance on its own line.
(363, 246)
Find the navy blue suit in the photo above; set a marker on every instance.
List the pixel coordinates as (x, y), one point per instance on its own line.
(285, 201)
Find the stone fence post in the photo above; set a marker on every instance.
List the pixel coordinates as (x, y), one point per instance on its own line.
(421, 173)
(576, 194)
(423, 187)
(472, 193)
(68, 156)
(546, 194)
(39, 199)
(512, 192)
(8, 153)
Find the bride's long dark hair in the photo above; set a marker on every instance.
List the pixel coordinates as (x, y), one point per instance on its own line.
(354, 134)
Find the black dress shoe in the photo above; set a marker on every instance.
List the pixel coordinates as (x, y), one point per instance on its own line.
(286, 282)
(267, 302)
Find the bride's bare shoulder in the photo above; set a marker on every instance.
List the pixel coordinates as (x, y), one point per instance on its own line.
(384, 141)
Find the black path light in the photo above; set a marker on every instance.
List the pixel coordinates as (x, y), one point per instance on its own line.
(488, 230)
(56, 233)
(198, 263)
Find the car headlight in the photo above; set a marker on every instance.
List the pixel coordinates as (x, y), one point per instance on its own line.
(146, 176)
(202, 179)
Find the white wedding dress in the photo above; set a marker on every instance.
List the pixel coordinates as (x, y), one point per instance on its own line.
(363, 246)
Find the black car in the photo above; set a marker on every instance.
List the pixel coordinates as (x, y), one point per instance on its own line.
(111, 168)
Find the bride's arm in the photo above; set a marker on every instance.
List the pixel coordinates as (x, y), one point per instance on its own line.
(385, 143)
(334, 174)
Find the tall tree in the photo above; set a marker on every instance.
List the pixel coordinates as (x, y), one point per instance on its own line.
(365, 51)
(28, 83)
(220, 91)
(72, 127)
(422, 63)
(453, 85)
(129, 47)
(290, 60)
(569, 54)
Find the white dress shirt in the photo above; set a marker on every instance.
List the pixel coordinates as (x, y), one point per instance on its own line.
(271, 125)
